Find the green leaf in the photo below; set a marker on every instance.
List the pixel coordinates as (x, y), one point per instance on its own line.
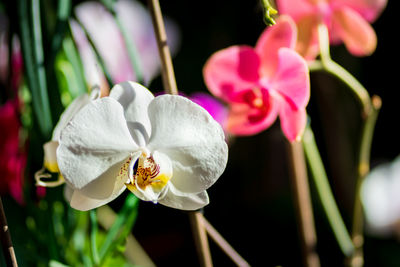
(121, 228)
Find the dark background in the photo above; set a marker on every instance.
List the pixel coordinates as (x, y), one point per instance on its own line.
(251, 205)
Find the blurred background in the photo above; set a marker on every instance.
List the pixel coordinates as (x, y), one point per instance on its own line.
(251, 205)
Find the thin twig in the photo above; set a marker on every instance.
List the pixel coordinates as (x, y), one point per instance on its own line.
(6, 243)
(223, 244)
(167, 70)
(200, 237)
(357, 260)
(303, 205)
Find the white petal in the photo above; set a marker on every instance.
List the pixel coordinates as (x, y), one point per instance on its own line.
(50, 156)
(82, 202)
(184, 201)
(379, 194)
(68, 191)
(96, 139)
(69, 112)
(135, 99)
(192, 139)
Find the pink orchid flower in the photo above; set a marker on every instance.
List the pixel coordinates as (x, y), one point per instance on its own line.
(347, 21)
(263, 82)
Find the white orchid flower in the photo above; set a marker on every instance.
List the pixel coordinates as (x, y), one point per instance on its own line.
(165, 149)
(381, 199)
(50, 147)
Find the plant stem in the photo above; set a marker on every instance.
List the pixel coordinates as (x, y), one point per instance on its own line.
(129, 43)
(167, 69)
(223, 244)
(121, 227)
(93, 237)
(6, 243)
(303, 205)
(328, 65)
(39, 64)
(200, 237)
(370, 109)
(32, 66)
(357, 259)
(325, 193)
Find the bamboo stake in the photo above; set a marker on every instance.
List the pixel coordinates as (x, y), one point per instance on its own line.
(224, 245)
(200, 237)
(6, 243)
(167, 69)
(169, 82)
(303, 205)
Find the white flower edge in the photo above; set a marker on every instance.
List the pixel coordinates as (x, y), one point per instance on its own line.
(50, 147)
(380, 198)
(98, 142)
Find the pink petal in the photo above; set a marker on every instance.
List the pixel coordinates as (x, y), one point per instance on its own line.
(231, 70)
(307, 42)
(356, 33)
(293, 121)
(369, 9)
(282, 34)
(292, 78)
(244, 120)
(297, 8)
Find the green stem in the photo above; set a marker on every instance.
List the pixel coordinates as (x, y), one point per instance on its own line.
(370, 110)
(97, 54)
(63, 14)
(31, 67)
(328, 65)
(132, 51)
(39, 64)
(325, 193)
(121, 227)
(129, 43)
(363, 170)
(72, 55)
(93, 237)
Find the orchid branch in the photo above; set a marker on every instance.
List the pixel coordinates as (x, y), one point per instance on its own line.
(303, 202)
(330, 66)
(325, 193)
(370, 109)
(129, 43)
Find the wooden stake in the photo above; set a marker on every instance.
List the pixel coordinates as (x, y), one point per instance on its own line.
(167, 70)
(303, 205)
(223, 244)
(6, 243)
(200, 237)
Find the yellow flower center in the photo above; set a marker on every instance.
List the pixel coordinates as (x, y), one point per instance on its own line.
(147, 177)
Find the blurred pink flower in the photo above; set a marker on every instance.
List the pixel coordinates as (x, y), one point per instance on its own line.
(263, 82)
(347, 21)
(12, 153)
(104, 32)
(216, 109)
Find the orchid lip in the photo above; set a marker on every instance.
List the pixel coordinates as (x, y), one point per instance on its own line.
(146, 177)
